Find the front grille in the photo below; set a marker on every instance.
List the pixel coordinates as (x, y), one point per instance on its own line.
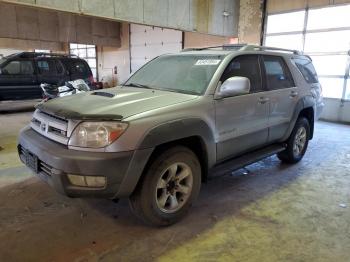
(43, 167)
(40, 166)
(53, 116)
(50, 126)
(22, 153)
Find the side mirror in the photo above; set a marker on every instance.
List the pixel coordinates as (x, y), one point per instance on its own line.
(234, 86)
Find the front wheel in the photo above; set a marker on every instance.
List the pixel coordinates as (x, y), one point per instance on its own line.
(169, 187)
(297, 142)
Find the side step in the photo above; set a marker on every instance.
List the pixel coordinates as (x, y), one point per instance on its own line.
(246, 159)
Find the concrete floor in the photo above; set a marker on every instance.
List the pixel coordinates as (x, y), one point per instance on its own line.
(274, 212)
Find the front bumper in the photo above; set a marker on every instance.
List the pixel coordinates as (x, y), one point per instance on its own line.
(54, 161)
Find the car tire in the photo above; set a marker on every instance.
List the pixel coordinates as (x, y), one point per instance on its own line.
(297, 142)
(168, 188)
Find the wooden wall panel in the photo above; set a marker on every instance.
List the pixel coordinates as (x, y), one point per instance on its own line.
(28, 23)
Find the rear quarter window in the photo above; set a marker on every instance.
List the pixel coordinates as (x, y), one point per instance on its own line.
(307, 69)
(277, 73)
(47, 67)
(80, 67)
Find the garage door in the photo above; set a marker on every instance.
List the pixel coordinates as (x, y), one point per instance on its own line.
(322, 33)
(147, 42)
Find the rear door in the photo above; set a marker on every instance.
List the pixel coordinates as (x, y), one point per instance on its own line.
(50, 71)
(18, 80)
(79, 69)
(282, 93)
(242, 121)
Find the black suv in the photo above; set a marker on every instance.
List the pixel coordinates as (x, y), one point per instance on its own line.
(22, 73)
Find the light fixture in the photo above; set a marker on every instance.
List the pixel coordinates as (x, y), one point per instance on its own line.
(226, 13)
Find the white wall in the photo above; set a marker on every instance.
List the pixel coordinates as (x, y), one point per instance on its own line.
(148, 42)
(336, 110)
(109, 57)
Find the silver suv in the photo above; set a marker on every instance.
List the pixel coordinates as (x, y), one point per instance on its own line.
(178, 119)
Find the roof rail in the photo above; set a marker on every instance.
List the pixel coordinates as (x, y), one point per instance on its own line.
(199, 48)
(223, 47)
(37, 54)
(267, 48)
(244, 47)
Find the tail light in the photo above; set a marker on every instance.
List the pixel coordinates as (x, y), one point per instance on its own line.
(91, 79)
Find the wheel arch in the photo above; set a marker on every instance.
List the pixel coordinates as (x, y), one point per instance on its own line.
(305, 107)
(192, 133)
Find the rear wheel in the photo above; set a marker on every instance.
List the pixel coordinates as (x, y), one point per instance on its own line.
(169, 187)
(297, 142)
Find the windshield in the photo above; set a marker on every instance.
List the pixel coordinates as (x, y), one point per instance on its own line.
(189, 74)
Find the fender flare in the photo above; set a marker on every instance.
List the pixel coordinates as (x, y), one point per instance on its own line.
(166, 133)
(180, 129)
(305, 102)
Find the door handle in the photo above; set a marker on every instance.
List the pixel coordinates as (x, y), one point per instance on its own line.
(293, 94)
(263, 100)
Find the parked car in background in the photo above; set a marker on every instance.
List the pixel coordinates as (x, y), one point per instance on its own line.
(22, 73)
(69, 88)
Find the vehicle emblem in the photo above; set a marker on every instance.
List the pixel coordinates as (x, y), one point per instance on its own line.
(43, 127)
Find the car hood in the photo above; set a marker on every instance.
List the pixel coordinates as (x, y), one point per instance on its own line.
(112, 104)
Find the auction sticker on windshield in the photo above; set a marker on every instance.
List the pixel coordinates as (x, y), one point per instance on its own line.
(207, 62)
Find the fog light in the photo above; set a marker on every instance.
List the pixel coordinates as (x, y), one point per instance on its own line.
(95, 181)
(77, 180)
(87, 181)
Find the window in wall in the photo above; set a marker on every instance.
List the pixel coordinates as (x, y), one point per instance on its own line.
(329, 17)
(293, 41)
(332, 87)
(86, 52)
(330, 64)
(282, 22)
(325, 36)
(335, 41)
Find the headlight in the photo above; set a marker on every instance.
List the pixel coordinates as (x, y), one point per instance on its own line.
(96, 134)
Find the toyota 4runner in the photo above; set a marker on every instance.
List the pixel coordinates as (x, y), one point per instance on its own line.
(178, 119)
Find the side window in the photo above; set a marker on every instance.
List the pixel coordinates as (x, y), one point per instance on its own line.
(79, 67)
(277, 73)
(246, 66)
(47, 67)
(18, 68)
(307, 70)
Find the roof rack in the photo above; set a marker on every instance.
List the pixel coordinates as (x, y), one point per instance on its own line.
(199, 48)
(267, 48)
(244, 47)
(222, 47)
(37, 54)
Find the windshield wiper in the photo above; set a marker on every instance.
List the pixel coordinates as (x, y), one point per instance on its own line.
(138, 85)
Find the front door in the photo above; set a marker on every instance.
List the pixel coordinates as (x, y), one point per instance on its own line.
(50, 71)
(18, 80)
(242, 121)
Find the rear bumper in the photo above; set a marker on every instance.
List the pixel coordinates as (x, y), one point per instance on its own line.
(122, 170)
